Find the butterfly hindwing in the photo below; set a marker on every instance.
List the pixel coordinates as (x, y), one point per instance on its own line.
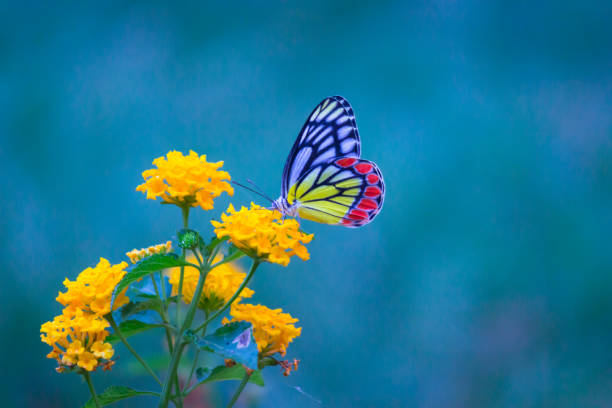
(329, 132)
(343, 191)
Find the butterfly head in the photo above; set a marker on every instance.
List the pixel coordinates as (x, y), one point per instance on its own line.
(281, 205)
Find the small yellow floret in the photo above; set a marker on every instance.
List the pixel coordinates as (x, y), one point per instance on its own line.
(263, 233)
(188, 181)
(136, 255)
(273, 330)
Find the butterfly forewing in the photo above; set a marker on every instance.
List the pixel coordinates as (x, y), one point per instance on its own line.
(329, 132)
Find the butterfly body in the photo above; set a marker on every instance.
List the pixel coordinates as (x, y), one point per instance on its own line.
(324, 179)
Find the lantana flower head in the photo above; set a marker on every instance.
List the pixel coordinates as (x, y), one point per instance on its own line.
(78, 335)
(136, 255)
(187, 181)
(77, 339)
(273, 330)
(93, 288)
(220, 285)
(263, 233)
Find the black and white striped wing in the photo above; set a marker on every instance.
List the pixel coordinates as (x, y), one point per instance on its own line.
(329, 132)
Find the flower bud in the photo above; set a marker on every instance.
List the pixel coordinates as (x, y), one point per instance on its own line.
(188, 239)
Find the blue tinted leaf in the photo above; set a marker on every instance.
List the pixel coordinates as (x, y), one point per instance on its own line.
(130, 328)
(116, 393)
(223, 373)
(234, 340)
(146, 289)
(146, 267)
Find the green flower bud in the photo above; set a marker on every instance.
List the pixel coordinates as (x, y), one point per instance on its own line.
(188, 239)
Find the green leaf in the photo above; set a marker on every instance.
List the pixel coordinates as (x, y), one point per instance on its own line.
(207, 249)
(232, 254)
(233, 340)
(116, 393)
(146, 267)
(129, 328)
(223, 373)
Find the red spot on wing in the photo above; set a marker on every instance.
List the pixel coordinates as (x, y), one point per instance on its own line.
(372, 191)
(363, 168)
(358, 215)
(346, 221)
(372, 178)
(346, 162)
(367, 204)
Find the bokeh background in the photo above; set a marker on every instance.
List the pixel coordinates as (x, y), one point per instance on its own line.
(486, 281)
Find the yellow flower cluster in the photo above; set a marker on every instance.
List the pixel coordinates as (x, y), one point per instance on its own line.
(186, 180)
(77, 335)
(263, 233)
(220, 285)
(273, 330)
(136, 255)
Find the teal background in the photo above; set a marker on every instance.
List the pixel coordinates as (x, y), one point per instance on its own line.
(485, 281)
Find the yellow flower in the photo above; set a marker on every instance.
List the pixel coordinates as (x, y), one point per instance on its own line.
(136, 255)
(185, 180)
(273, 330)
(263, 233)
(220, 285)
(77, 339)
(93, 288)
(77, 335)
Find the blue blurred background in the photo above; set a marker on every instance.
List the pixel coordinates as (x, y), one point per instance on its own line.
(485, 281)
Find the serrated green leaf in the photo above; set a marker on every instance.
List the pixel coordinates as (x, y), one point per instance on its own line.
(116, 393)
(223, 373)
(233, 340)
(130, 328)
(146, 267)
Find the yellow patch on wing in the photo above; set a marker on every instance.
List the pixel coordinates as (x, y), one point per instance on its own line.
(352, 192)
(352, 182)
(339, 210)
(319, 193)
(344, 200)
(291, 195)
(318, 216)
(307, 182)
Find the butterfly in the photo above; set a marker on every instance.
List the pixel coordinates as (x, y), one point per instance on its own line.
(325, 179)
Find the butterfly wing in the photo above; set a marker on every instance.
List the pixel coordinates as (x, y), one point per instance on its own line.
(344, 191)
(329, 132)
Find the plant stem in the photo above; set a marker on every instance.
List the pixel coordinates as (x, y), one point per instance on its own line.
(193, 368)
(185, 213)
(185, 209)
(229, 302)
(244, 382)
(164, 317)
(180, 344)
(110, 319)
(92, 390)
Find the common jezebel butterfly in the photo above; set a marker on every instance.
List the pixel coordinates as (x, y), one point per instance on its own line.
(325, 179)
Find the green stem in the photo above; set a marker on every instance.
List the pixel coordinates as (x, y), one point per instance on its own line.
(229, 302)
(92, 390)
(180, 343)
(185, 213)
(185, 210)
(110, 319)
(243, 384)
(193, 368)
(168, 335)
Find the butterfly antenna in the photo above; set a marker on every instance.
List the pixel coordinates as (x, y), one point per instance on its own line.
(253, 190)
(261, 192)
